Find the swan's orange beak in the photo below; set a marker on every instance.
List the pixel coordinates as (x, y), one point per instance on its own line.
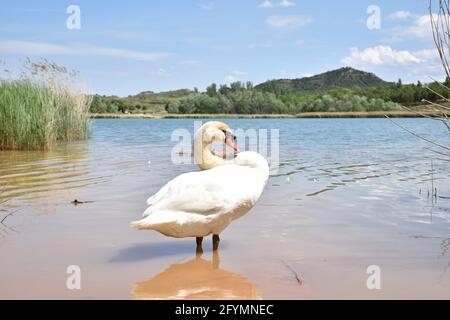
(230, 141)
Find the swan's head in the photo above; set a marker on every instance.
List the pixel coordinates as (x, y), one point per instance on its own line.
(209, 133)
(217, 132)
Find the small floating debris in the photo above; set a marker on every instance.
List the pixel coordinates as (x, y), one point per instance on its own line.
(419, 236)
(77, 202)
(319, 192)
(183, 153)
(298, 278)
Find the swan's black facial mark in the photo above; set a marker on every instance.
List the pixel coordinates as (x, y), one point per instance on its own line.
(228, 134)
(231, 140)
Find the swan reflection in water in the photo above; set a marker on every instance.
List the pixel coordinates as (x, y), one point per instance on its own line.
(197, 279)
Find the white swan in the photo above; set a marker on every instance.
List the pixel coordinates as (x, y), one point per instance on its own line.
(197, 204)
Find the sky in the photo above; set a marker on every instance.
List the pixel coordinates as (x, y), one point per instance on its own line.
(126, 47)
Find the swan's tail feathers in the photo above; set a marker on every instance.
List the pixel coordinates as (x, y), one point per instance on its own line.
(160, 221)
(174, 224)
(141, 224)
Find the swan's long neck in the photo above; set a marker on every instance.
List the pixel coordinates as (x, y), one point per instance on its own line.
(206, 159)
(203, 155)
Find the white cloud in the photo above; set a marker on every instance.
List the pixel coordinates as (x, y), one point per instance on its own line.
(287, 21)
(259, 45)
(42, 48)
(235, 76)
(286, 3)
(229, 79)
(413, 65)
(239, 73)
(400, 15)
(267, 4)
(419, 28)
(162, 72)
(207, 6)
(427, 54)
(379, 55)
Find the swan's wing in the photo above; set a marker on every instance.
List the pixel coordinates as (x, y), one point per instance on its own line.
(160, 194)
(207, 192)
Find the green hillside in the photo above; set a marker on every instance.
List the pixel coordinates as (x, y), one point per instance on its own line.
(340, 78)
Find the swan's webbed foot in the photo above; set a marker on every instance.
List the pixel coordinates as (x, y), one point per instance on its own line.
(199, 250)
(216, 241)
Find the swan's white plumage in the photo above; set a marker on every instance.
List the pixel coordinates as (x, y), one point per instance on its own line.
(197, 204)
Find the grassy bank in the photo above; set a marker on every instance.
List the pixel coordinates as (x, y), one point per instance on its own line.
(35, 115)
(373, 114)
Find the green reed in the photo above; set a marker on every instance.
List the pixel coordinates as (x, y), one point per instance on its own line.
(35, 114)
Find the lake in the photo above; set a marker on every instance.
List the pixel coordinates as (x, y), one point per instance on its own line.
(347, 194)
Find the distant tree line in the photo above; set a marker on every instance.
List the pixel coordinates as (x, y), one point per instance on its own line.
(238, 98)
(244, 98)
(104, 104)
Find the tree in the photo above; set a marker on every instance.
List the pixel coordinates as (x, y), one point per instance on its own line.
(173, 107)
(212, 90)
(223, 89)
(98, 104)
(236, 86)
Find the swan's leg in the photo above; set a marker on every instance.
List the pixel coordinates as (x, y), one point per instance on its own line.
(199, 249)
(216, 241)
(215, 259)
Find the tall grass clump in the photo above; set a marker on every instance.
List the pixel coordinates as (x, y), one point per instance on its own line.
(43, 106)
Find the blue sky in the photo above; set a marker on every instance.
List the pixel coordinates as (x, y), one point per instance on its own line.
(125, 47)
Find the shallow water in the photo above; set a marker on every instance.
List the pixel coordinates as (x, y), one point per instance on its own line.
(348, 193)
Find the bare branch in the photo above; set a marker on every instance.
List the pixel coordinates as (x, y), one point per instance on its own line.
(419, 136)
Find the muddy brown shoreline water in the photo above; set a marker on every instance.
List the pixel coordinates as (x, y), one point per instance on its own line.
(348, 194)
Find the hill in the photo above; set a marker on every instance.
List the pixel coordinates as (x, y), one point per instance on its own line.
(340, 78)
(152, 96)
